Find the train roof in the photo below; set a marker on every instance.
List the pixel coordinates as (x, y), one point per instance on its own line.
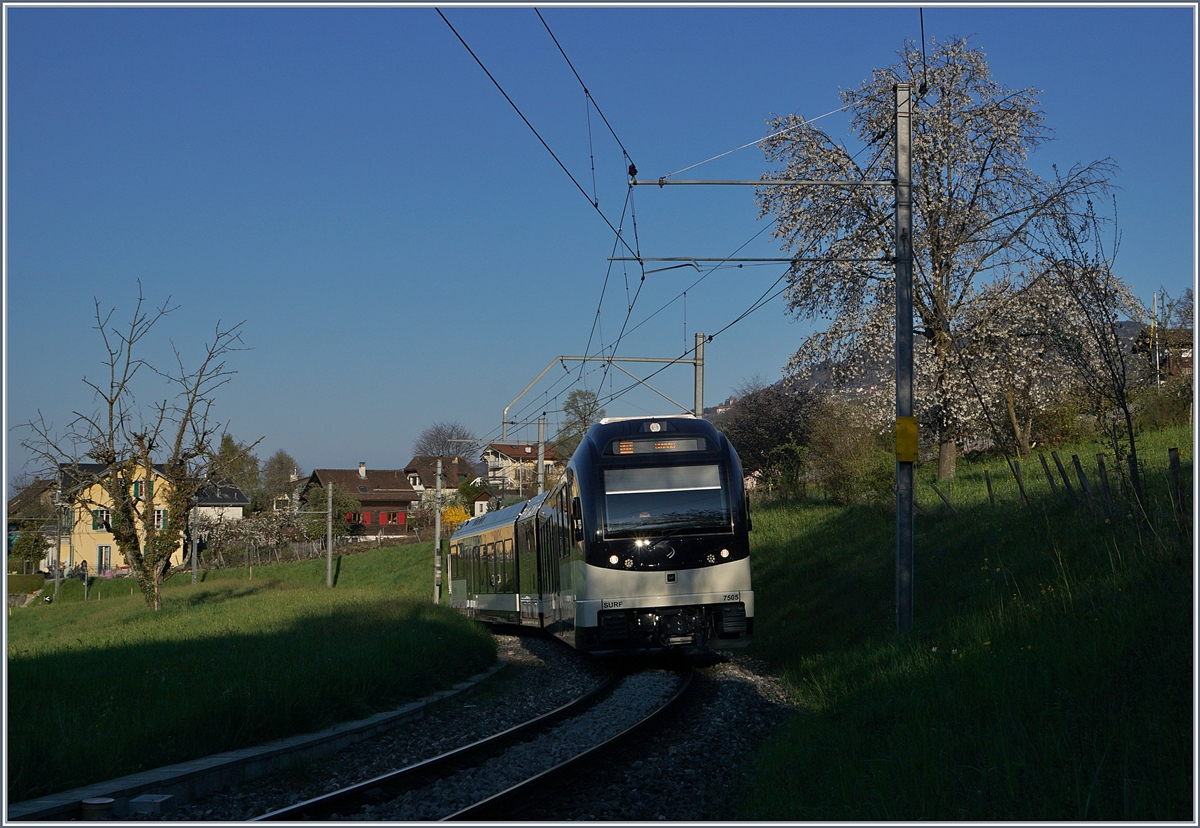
(500, 517)
(608, 428)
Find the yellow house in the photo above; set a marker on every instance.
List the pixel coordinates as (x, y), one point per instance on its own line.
(91, 540)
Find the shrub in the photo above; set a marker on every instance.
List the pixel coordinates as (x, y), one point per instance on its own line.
(25, 584)
(849, 455)
(1159, 408)
(1067, 422)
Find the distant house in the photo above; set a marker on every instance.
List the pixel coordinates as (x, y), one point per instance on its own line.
(482, 503)
(290, 501)
(422, 472)
(221, 502)
(514, 465)
(32, 508)
(1174, 350)
(33, 503)
(90, 530)
(386, 496)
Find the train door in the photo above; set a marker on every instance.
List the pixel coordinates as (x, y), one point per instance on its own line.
(547, 573)
(528, 590)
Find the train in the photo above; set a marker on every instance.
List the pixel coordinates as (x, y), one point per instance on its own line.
(641, 546)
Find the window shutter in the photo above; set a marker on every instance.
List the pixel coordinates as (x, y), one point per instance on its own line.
(164, 520)
(366, 518)
(137, 489)
(96, 519)
(149, 488)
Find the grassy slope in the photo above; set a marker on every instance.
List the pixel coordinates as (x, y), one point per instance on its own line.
(1048, 674)
(104, 688)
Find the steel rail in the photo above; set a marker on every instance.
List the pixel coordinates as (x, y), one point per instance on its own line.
(508, 803)
(351, 799)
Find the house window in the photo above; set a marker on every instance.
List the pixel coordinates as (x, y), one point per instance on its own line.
(101, 519)
(362, 489)
(103, 558)
(414, 480)
(354, 517)
(160, 519)
(143, 488)
(390, 518)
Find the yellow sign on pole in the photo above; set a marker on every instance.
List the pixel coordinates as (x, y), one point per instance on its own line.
(906, 439)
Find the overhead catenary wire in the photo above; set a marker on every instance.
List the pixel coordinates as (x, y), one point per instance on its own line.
(532, 129)
(584, 85)
(762, 300)
(757, 141)
(765, 297)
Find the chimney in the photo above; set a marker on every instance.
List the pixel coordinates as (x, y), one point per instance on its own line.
(362, 470)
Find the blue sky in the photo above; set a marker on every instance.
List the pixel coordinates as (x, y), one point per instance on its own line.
(401, 247)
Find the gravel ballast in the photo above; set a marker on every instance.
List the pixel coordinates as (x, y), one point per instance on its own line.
(693, 770)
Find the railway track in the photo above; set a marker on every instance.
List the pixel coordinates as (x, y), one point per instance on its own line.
(497, 777)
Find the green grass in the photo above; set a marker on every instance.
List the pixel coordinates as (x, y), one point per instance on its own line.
(103, 688)
(1048, 675)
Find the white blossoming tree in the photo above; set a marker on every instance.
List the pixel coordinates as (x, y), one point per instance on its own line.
(974, 199)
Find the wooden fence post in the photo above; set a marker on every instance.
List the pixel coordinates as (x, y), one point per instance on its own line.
(1049, 476)
(1065, 479)
(945, 499)
(1083, 484)
(1177, 483)
(1108, 504)
(1021, 483)
(1135, 491)
(987, 478)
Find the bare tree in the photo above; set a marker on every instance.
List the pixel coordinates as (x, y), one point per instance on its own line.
(437, 441)
(974, 199)
(580, 411)
(102, 454)
(1075, 256)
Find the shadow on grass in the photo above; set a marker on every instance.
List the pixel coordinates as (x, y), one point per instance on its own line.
(1047, 676)
(227, 592)
(85, 715)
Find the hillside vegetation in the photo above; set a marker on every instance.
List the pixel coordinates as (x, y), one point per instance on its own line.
(1048, 675)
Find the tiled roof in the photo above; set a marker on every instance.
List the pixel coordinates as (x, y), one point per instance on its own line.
(520, 451)
(75, 474)
(28, 498)
(222, 495)
(454, 470)
(374, 487)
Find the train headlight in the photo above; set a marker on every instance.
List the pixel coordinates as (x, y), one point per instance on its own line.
(639, 543)
(613, 559)
(724, 553)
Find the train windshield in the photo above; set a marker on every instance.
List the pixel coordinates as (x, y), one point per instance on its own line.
(664, 500)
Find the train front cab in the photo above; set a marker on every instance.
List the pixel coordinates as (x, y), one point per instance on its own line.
(661, 523)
